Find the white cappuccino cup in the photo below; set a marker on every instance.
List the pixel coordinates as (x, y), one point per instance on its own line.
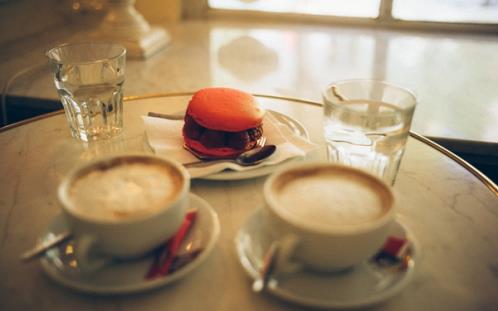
(326, 216)
(123, 206)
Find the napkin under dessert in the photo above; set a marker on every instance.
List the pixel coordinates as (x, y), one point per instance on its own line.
(165, 138)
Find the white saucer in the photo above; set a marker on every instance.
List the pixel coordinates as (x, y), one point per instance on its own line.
(361, 286)
(129, 276)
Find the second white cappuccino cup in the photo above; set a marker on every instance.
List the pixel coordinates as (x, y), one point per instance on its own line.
(326, 216)
(123, 206)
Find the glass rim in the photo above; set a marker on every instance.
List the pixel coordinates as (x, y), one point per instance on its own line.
(408, 91)
(118, 54)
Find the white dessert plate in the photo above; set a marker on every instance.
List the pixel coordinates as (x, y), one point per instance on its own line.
(367, 284)
(122, 277)
(248, 172)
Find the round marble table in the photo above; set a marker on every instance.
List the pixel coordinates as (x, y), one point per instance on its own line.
(451, 209)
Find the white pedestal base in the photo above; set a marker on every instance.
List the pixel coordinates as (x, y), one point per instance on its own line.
(125, 25)
(142, 46)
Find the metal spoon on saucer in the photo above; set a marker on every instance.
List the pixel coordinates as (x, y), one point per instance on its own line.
(269, 261)
(43, 246)
(247, 158)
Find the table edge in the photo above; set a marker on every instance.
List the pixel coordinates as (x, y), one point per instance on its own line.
(469, 167)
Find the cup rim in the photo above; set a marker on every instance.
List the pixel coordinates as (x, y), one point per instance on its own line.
(121, 53)
(62, 191)
(365, 227)
(410, 92)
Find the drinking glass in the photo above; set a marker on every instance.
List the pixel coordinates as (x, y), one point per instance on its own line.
(89, 78)
(366, 124)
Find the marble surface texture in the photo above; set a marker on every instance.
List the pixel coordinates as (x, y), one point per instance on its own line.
(451, 213)
(453, 75)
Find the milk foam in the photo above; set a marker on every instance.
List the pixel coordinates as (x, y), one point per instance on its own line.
(329, 198)
(124, 191)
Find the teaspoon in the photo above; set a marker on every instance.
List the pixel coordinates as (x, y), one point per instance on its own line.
(269, 263)
(43, 246)
(247, 158)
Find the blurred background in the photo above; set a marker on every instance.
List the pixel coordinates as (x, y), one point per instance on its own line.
(444, 50)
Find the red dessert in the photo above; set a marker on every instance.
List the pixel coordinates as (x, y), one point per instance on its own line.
(222, 122)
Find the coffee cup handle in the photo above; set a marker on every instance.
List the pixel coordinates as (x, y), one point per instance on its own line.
(285, 263)
(84, 254)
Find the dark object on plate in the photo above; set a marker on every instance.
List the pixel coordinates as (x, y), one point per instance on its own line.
(222, 122)
(396, 252)
(247, 158)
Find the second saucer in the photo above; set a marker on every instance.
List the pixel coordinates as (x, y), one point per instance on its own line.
(364, 285)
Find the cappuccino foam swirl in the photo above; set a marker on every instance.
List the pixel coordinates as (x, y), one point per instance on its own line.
(330, 198)
(124, 191)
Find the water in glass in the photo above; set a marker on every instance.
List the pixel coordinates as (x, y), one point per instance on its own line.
(367, 134)
(89, 78)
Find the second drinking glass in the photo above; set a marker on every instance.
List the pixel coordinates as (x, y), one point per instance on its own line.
(366, 125)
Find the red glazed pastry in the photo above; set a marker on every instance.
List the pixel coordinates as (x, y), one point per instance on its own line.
(222, 122)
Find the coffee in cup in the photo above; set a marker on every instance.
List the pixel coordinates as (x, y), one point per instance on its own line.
(123, 206)
(123, 190)
(332, 216)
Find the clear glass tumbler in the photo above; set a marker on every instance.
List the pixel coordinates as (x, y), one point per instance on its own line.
(366, 124)
(89, 78)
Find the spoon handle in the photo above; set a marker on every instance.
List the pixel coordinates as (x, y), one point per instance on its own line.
(42, 247)
(166, 116)
(269, 263)
(207, 163)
